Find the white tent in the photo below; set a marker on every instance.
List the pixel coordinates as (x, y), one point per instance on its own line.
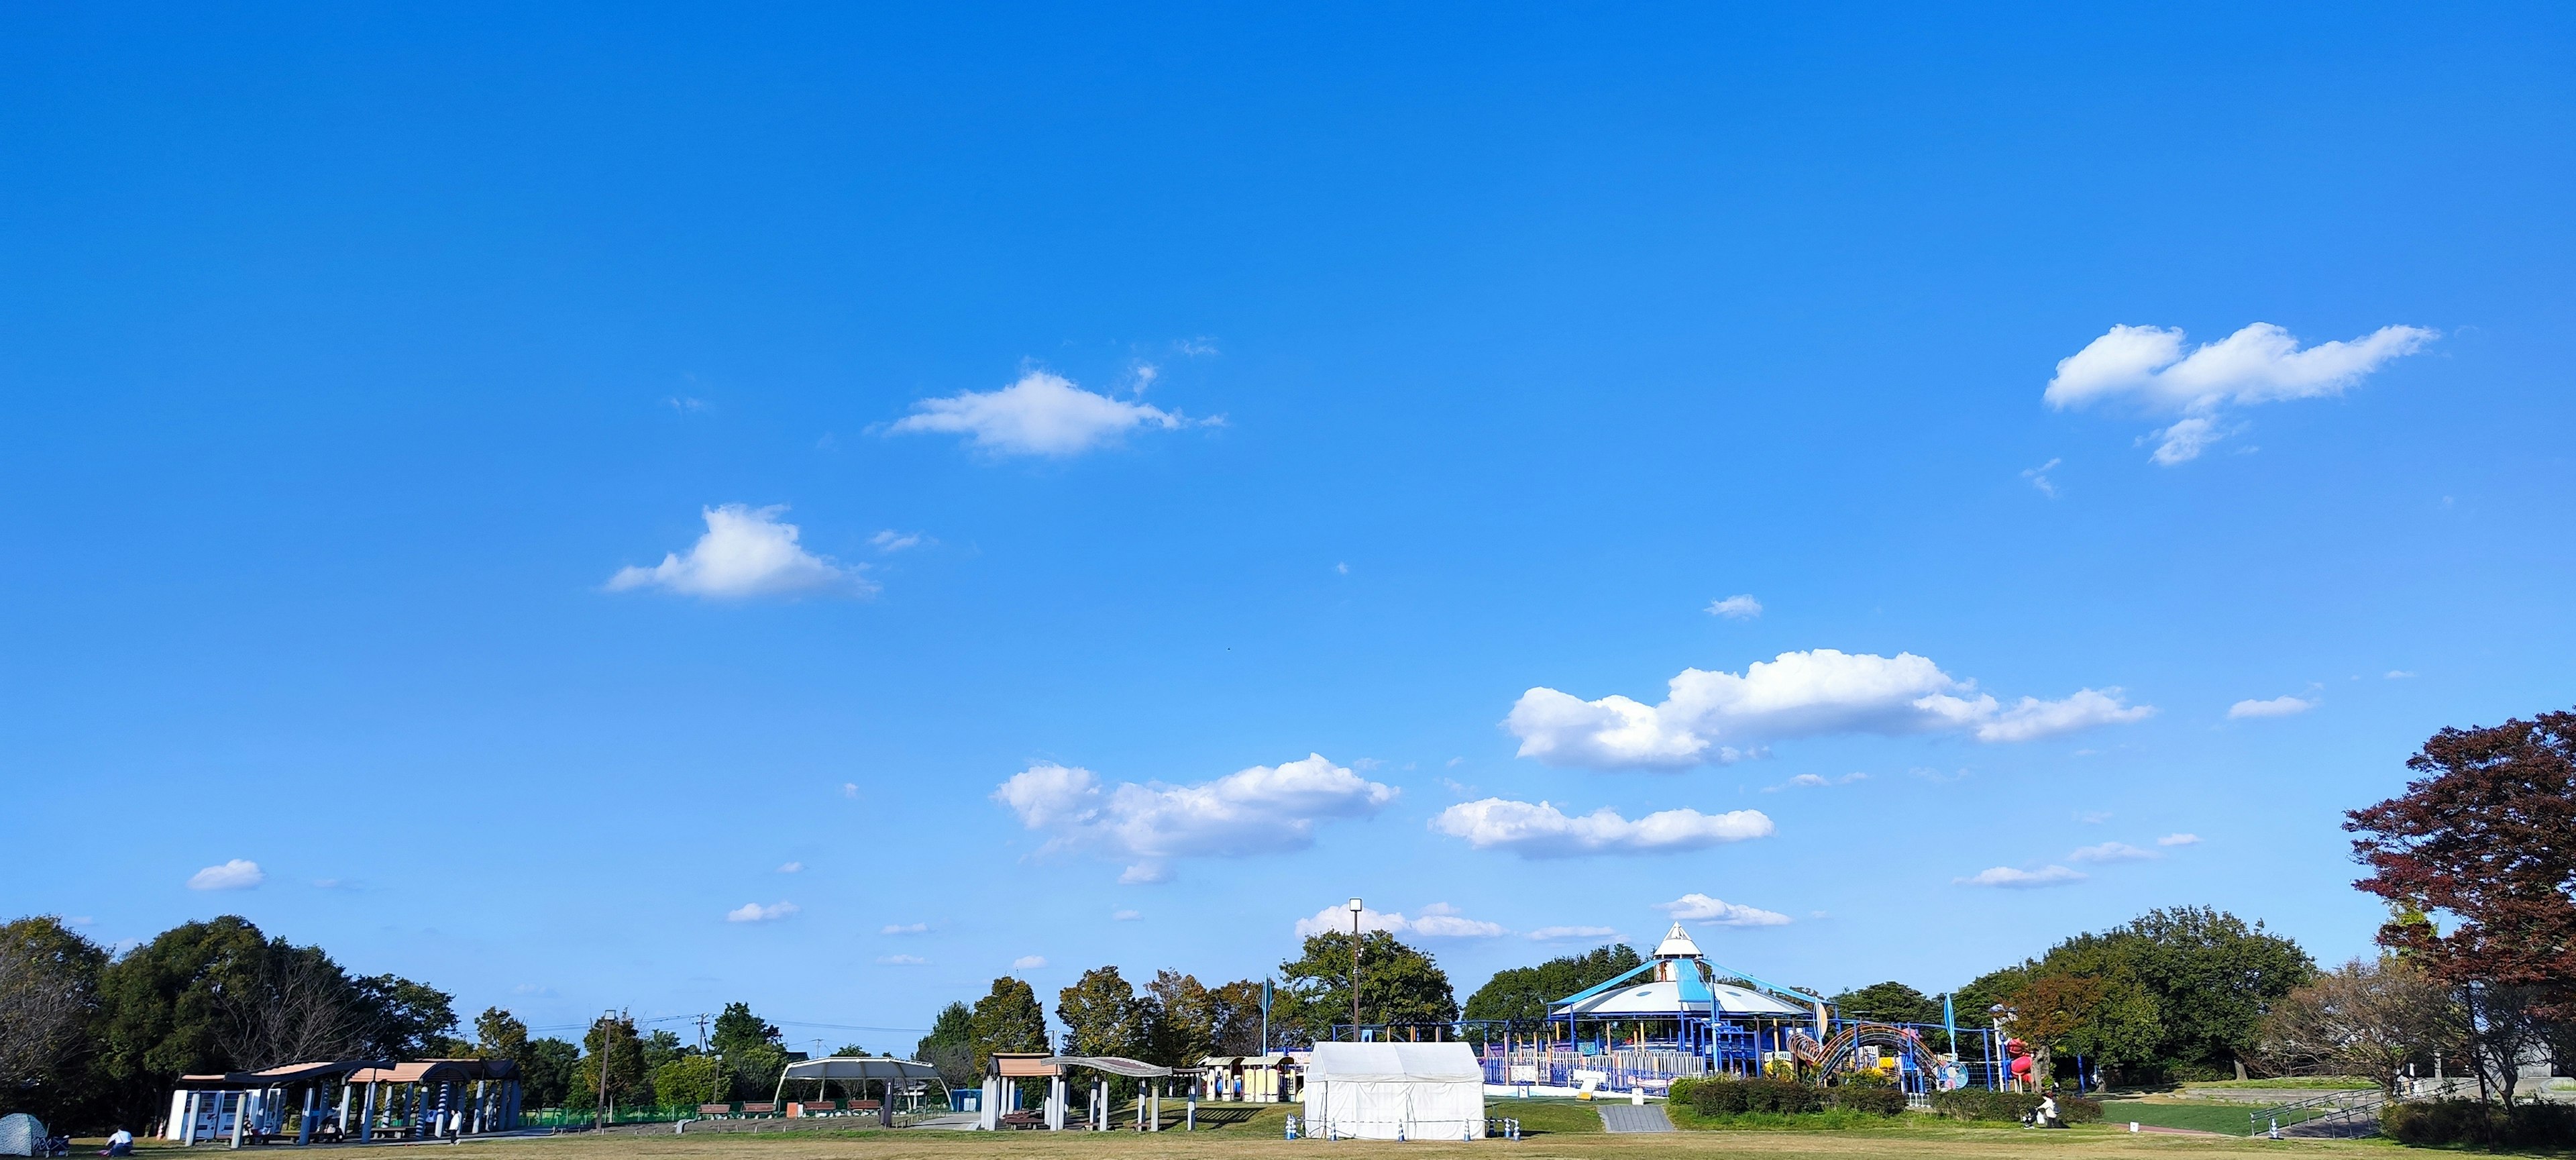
(1395, 1091)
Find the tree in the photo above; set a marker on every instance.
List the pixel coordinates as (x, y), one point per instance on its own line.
(1523, 993)
(688, 1080)
(2364, 1018)
(950, 1046)
(1008, 1019)
(549, 1072)
(163, 1008)
(611, 1039)
(1889, 1002)
(2213, 977)
(1182, 1019)
(2109, 1018)
(409, 1020)
(751, 1051)
(1237, 1027)
(1398, 984)
(49, 1011)
(500, 1035)
(2486, 836)
(1102, 1016)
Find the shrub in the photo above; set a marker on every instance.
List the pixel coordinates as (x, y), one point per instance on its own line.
(1884, 1101)
(1981, 1104)
(2434, 1123)
(1735, 1097)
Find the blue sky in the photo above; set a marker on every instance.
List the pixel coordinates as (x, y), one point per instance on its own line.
(1359, 399)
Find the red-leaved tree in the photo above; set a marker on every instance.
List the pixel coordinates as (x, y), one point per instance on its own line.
(2486, 839)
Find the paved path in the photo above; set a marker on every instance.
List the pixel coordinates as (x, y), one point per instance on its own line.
(1634, 1118)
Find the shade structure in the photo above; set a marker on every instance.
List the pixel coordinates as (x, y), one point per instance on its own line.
(1114, 1065)
(1685, 995)
(1395, 1091)
(860, 1067)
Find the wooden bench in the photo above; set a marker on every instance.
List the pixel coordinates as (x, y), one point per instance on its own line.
(715, 1109)
(760, 1109)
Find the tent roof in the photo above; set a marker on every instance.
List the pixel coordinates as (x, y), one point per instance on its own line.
(860, 1067)
(284, 1073)
(436, 1071)
(1394, 1063)
(1677, 944)
(1681, 996)
(1114, 1065)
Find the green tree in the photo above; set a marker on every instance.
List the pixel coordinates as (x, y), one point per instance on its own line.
(950, 1046)
(611, 1039)
(408, 1020)
(1523, 993)
(1398, 984)
(1008, 1019)
(500, 1035)
(1102, 1016)
(164, 1008)
(1181, 1017)
(688, 1080)
(1237, 1026)
(1889, 1002)
(49, 1018)
(549, 1072)
(751, 1051)
(2213, 976)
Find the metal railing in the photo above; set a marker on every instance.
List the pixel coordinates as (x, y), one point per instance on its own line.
(2345, 1110)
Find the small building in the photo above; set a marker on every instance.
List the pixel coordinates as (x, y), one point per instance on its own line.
(1276, 1078)
(1395, 1091)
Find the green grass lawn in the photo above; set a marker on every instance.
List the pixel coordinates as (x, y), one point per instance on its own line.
(2227, 1118)
(1546, 1117)
(2292, 1083)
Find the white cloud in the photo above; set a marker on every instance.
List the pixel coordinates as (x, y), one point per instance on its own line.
(1540, 830)
(1568, 933)
(2038, 477)
(2146, 367)
(902, 960)
(1815, 781)
(849, 789)
(1740, 606)
(238, 874)
(1343, 568)
(1799, 694)
(2397, 675)
(755, 912)
(1144, 874)
(1124, 916)
(2113, 852)
(904, 928)
(2276, 707)
(1028, 962)
(746, 552)
(2179, 840)
(2092, 817)
(2012, 879)
(1697, 907)
(1042, 414)
(1441, 920)
(891, 541)
(791, 868)
(1438, 920)
(1261, 810)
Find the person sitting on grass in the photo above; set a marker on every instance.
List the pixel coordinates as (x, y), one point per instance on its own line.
(119, 1142)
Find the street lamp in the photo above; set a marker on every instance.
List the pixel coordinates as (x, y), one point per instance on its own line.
(1355, 970)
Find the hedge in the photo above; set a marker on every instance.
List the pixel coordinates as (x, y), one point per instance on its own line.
(1735, 1097)
(2011, 1107)
(2432, 1123)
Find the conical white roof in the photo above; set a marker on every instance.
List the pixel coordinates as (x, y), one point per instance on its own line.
(1677, 944)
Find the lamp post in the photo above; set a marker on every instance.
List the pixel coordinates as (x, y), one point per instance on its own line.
(2003, 1017)
(1355, 970)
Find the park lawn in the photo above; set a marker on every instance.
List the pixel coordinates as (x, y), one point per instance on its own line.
(2197, 1117)
(1547, 1117)
(2332, 1083)
(1916, 1138)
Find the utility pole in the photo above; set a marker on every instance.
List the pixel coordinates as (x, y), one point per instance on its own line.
(1355, 970)
(702, 1033)
(607, 1036)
